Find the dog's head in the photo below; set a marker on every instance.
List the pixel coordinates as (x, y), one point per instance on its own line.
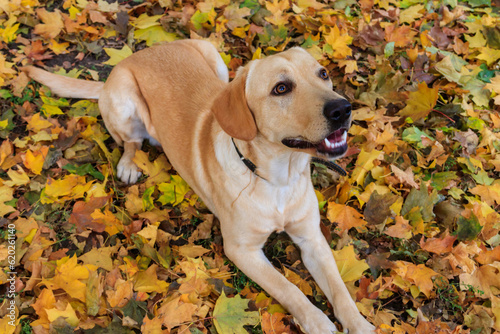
(288, 98)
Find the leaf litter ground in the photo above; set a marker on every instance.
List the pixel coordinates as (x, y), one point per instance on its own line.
(413, 227)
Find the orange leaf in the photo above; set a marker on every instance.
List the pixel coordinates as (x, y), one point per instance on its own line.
(345, 216)
(400, 230)
(273, 323)
(438, 245)
(52, 23)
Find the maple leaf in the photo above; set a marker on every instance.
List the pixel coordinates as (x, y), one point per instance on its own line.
(337, 43)
(69, 276)
(6, 195)
(485, 279)
(174, 191)
(147, 281)
(438, 245)
(82, 211)
(68, 314)
(52, 23)
(420, 103)
(175, 312)
(274, 323)
(301, 283)
(349, 266)
(121, 294)
(406, 176)
(489, 194)
(152, 326)
(419, 275)
(157, 170)
(230, 316)
(401, 229)
(116, 56)
(345, 216)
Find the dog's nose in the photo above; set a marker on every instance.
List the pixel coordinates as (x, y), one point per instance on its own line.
(337, 110)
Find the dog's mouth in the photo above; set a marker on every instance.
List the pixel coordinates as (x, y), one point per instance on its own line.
(333, 146)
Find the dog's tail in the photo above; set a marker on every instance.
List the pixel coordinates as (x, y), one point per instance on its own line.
(63, 86)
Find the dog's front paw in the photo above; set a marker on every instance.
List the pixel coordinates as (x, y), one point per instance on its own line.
(360, 326)
(127, 171)
(317, 323)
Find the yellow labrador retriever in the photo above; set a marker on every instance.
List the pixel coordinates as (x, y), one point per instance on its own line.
(244, 147)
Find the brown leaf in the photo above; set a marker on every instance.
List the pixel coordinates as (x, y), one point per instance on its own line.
(82, 211)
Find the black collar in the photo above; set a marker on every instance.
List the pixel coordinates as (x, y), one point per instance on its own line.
(247, 162)
(329, 164)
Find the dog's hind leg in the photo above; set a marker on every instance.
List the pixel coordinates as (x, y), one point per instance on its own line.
(126, 116)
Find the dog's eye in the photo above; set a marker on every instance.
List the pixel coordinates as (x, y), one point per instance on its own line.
(323, 74)
(280, 88)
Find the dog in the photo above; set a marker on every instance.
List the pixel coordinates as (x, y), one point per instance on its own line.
(244, 147)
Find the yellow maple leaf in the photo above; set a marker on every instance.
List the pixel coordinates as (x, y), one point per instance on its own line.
(52, 23)
(147, 281)
(173, 312)
(412, 13)
(301, 283)
(6, 71)
(6, 195)
(364, 164)
(345, 216)
(117, 56)
(9, 32)
(34, 160)
(68, 314)
(154, 35)
(37, 123)
(58, 48)
(337, 43)
(70, 187)
(489, 55)
(17, 177)
(71, 277)
(157, 170)
(277, 9)
(421, 102)
(349, 266)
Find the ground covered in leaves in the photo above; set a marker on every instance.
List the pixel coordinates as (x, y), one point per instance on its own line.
(414, 226)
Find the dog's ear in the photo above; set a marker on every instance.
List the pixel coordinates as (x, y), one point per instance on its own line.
(232, 112)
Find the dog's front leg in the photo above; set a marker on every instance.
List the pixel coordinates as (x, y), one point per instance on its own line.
(319, 260)
(250, 259)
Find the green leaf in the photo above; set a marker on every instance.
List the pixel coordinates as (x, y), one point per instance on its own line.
(230, 315)
(422, 200)
(174, 191)
(440, 180)
(467, 228)
(414, 135)
(478, 3)
(147, 200)
(389, 49)
(84, 108)
(84, 170)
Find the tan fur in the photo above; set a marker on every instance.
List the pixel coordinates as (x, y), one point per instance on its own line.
(177, 94)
